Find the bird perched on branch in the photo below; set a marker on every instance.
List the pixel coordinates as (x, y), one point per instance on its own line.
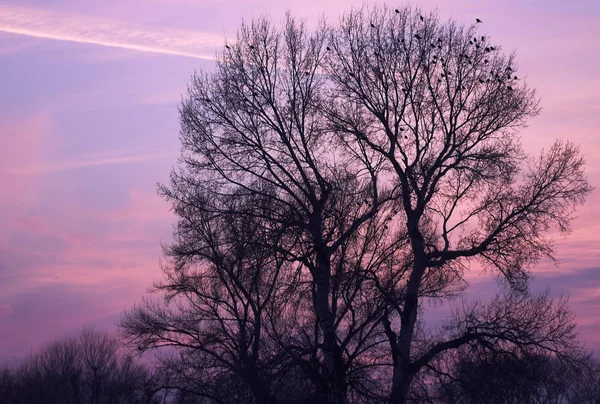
(478, 21)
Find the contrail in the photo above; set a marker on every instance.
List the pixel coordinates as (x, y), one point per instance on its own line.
(91, 30)
(83, 163)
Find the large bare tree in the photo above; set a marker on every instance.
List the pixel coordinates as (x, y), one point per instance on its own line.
(255, 128)
(443, 105)
(374, 160)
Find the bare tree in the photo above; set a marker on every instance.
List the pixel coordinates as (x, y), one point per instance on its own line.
(255, 127)
(88, 369)
(99, 355)
(329, 184)
(443, 106)
(481, 349)
(219, 286)
(481, 375)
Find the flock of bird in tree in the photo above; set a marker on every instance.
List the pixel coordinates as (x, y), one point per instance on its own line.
(480, 52)
(502, 76)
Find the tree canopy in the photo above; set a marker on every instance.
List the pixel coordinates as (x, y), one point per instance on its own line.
(330, 183)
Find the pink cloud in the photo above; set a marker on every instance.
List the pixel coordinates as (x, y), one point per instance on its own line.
(99, 264)
(61, 26)
(22, 142)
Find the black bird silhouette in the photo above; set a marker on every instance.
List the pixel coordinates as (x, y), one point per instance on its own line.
(417, 36)
(478, 21)
(372, 25)
(328, 48)
(207, 99)
(487, 49)
(509, 88)
(486, 61)
(481, 81)
(251, 47)
(492, 48)
(483, 38)
(227, 46)
(516, 78)
(475, 40)
(421, 17)
(509, 69)
(397, 11)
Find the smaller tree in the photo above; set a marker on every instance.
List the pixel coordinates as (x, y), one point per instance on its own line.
(99, 356)
(89, 369)
(220, 288)
(492, 377)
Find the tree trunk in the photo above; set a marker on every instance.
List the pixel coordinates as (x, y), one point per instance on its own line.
(403, 374)
(334, 362)
(261, 395)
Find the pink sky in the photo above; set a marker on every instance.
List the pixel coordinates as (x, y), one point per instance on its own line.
(88, 125)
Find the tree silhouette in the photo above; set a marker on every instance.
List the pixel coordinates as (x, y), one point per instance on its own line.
(88, 369)
(484, 376)
(329, 183)
(449, 133)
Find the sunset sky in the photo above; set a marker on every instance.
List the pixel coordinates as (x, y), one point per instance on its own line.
(88, 125)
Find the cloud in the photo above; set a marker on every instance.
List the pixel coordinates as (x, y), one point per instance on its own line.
(45, 168)
(93, 30)
(84, 265)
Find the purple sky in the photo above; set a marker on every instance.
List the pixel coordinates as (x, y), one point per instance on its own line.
(88, 125)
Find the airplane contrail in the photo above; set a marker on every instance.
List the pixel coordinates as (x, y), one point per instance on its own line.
(92, 30)
(44, 168)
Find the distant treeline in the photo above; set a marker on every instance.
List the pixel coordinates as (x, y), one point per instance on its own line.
(95, 368)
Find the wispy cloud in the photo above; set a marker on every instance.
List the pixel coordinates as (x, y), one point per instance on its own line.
(92, 30)
(44, 168)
